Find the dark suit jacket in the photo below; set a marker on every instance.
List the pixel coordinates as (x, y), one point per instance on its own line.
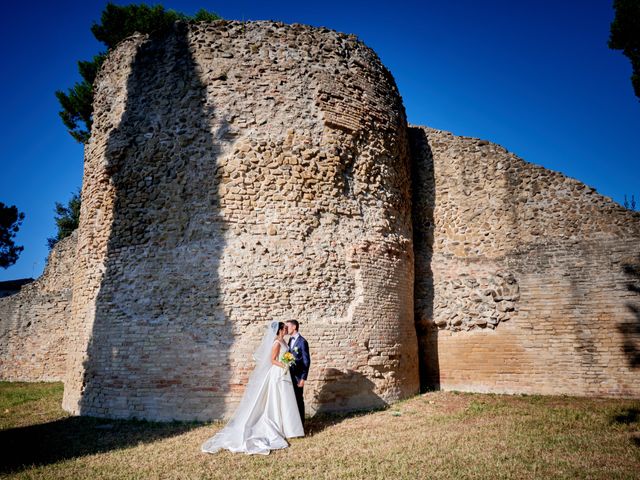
(300, 351)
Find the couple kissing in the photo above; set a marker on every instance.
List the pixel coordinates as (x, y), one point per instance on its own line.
(272, 407)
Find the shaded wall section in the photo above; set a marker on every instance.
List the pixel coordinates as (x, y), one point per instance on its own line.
(528, 289)
(153, 339)
(33, 321)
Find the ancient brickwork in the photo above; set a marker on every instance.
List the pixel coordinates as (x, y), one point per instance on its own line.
(521, 282)
(33, 321)
(240, 173)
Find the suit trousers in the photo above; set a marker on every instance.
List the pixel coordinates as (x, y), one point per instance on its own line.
(299, 392)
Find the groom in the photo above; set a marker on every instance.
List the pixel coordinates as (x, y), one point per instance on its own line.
(299, 347)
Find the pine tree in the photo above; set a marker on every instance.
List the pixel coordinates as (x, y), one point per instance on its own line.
(116, 24)
(10, 221)
(625, 35)
(67, 219)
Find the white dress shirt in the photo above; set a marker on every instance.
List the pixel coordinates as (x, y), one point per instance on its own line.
(293, 339)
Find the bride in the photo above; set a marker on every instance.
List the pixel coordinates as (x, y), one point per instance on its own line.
(268, 412)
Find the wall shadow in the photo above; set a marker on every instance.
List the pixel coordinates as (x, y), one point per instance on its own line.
(630, 330)
(73, 437)
(344, 394)
(423, 204)
(159, 348)
(627, 416)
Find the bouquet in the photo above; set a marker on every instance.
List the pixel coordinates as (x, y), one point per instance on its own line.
(288, 360)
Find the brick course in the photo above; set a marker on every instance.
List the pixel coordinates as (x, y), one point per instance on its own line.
(33, 322)
(520, 275)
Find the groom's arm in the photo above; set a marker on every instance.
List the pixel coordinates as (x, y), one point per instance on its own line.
(306, 360)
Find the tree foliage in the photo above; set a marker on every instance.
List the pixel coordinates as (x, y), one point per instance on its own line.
(67, 219)
(625, 36)
(116, 24)
(10, 221)
(77, 103)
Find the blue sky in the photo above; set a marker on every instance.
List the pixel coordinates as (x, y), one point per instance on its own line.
(536, 77)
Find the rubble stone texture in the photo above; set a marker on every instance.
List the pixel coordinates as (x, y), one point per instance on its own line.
(33, 322)
(520, 275)
(241, 173)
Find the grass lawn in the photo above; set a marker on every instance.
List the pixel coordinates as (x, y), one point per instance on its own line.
(436, 435)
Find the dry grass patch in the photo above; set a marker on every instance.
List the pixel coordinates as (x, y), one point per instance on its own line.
(436, 435)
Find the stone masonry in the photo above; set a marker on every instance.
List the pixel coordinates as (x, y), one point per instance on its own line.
(240, 173)
(520, 275)
(33, 322)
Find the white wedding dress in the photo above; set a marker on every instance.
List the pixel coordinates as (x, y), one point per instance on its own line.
(268, 412)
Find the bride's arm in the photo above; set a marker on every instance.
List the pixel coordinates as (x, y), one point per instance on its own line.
(275, 350)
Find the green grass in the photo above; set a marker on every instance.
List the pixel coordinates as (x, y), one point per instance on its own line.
(437, 435)
(28, 403)
(14, 394)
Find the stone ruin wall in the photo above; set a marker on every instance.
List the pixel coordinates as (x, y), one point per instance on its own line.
(240, 173)
(521, 283)
(33, 321)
